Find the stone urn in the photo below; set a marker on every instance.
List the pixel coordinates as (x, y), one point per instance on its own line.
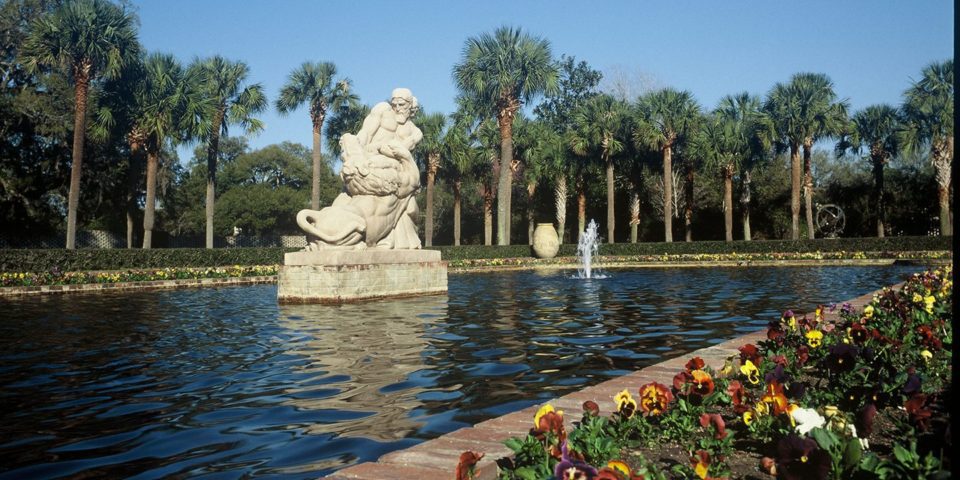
(546, 244)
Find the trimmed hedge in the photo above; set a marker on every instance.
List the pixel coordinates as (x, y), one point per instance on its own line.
(41, 260)
(887, 244)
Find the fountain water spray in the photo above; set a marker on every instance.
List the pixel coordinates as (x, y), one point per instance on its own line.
(587, 248)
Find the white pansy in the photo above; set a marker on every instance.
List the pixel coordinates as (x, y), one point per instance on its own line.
(807, 419)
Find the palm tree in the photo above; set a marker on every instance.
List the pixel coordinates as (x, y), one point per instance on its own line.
(313, 84)
(556, 165)
(89, 39)
(462, 157)
(928, 107)
(804, 111)
(665, 117)
(433, 126)
(170, 106)
(746, 112)
(501, 71)
(231, 102)
(600, 125)
(724, 144)
(534, 153)
(347, 119)
(876, 128)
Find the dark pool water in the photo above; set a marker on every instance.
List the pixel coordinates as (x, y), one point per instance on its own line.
(224, 383)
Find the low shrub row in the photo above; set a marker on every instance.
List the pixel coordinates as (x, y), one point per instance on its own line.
(40, 260)
(887, 244)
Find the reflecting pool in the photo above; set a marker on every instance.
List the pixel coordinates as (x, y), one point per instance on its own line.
(223, 382)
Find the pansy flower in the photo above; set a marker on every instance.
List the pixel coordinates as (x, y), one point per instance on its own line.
(775, 332)
(573, 470)
(468, 461)
(712, 419)
(799, 458)
(751, 353)
(928, 338)
(654, 398)
(865, 417)
(868, 311)
(775, 398)
(549, 421)
(695, 363)
(777, 374)
(789, 319)
(916, 407)
(737, 396)
(590, 408)
(680, 382)
(702, 383)
(857, 333)
(814, 338)
(928, 302)
(701, 463)
(616, 470)
(751, 372)
(803, 354)
(842, 357)
(626, 405)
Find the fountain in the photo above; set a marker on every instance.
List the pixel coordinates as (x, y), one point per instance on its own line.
(587, 248)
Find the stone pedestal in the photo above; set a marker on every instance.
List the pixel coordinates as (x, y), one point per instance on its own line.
(338, 276)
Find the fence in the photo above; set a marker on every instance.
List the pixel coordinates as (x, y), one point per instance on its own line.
(105, 239)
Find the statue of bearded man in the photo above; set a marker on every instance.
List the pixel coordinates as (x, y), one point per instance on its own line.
(380, 176)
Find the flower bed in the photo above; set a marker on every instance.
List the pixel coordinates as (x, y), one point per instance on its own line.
(860, 397)
(56, 277)
(606, 260)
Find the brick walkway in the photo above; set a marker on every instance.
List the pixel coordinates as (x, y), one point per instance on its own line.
(438, 458)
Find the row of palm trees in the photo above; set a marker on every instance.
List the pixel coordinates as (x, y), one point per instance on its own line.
(153, 101)
(499, 72)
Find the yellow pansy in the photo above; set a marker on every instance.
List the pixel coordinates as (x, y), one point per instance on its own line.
(927, 355)
(751, 371)
(814, 338)
(928, 302)
(917, 298)
(543, 411)
(748, 417)
(868, 311)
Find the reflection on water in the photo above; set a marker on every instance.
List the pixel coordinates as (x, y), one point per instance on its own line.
(223, 381)
(375, 348)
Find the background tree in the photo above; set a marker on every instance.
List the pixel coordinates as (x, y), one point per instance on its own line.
(501, 71)
(89, 39)
(314, 84)
(433, 126)
(576, 83)
(928, 106)
(876, 129)
(601, 126)
(664, 118)
(231, 102)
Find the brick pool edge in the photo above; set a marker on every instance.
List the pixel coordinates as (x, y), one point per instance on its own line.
(438, 458)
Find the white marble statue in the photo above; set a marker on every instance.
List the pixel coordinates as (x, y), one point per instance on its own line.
(380, 177)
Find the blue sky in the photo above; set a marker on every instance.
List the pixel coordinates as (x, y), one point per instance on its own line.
(870, 49)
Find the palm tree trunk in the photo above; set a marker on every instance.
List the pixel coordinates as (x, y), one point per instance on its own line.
(315, 192)
(505, 119)
(531, 220)
(667, 194)
(581, 207)
(76, 168)
(487, 194)
(457, 184)
(728, 202)
(942, 155)
(610, 212)
(560, 203)
(213, 148)
(688, 207)
(878, 199)
(796, 170)
(634, 211)
(808, 187)
(745, 205)
(153, 160)
(432, 165)
(136, 150)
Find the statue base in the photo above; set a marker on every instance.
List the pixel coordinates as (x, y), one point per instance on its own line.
(340, 276)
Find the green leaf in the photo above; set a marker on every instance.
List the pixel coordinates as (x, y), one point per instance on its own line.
(824, 438)
(903, 455)
(852, 454)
